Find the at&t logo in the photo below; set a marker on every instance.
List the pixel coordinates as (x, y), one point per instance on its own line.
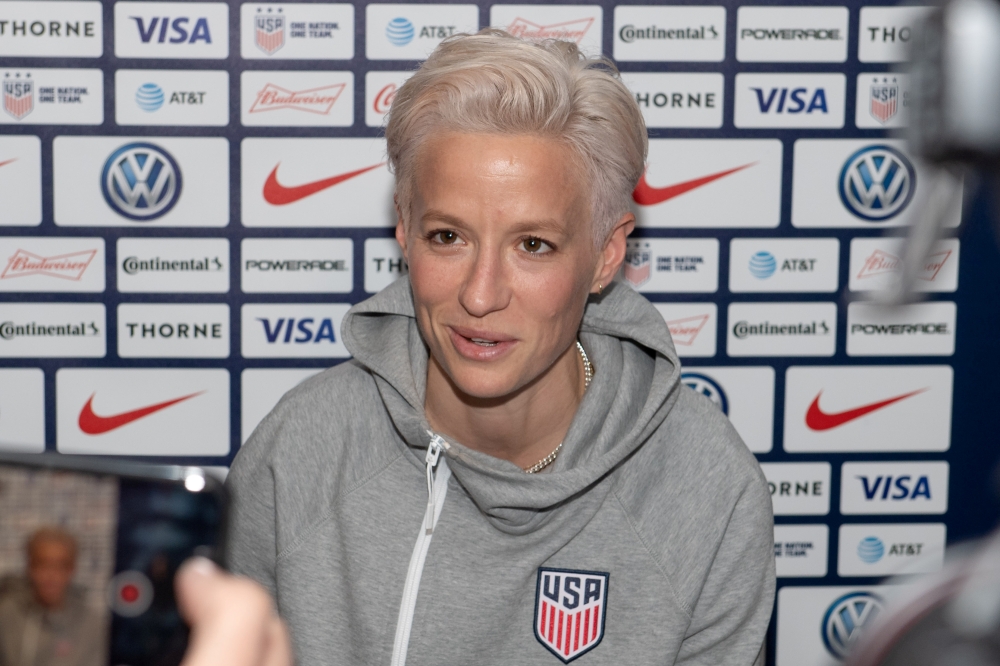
(877, 183)
(845, 620)
(141, 181)
(871, 549)
(399, 31)
(762, 265)
(708, 387)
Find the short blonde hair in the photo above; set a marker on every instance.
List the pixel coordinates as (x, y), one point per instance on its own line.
(494, 83)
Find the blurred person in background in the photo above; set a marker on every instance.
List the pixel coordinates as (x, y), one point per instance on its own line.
(44, 618)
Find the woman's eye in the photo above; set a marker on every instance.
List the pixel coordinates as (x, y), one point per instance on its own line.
(535, 246)
(446, 237)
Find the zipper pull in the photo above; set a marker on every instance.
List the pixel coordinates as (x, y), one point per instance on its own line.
(434, 449)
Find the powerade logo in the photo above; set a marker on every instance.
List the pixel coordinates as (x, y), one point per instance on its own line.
(845, 620)
(877, 183)
(141, 181)
(708, 387)
(149, 97)
(399, 31)
(871, 549)
(763, 265)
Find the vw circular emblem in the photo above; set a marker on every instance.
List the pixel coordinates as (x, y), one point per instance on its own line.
(877, 183)
(845, 620)
(708, 387)
(141, 181)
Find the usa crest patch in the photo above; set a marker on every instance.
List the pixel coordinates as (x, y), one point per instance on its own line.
(570, 609)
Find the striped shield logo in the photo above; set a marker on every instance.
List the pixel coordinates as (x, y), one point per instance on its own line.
(570, 607)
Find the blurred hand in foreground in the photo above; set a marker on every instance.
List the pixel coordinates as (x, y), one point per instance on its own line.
(233, 619)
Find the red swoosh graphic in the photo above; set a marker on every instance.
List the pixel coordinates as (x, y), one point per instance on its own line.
(6, 162)
(92, 424)
(279, 195)
(817, 419)
(647, 195)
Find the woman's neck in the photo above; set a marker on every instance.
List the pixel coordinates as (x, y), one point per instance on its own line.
(523, 427)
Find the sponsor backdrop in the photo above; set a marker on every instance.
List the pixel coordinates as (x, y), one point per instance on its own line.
(192, 195)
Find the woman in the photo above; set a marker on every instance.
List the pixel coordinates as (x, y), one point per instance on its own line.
(509, 470)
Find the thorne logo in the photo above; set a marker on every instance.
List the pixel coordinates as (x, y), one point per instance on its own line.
(799, 489)
(172, 30)
(53, 29)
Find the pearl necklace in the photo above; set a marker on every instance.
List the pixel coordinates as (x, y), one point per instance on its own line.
(588, 375)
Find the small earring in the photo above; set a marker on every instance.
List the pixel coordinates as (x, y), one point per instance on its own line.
(600, 288)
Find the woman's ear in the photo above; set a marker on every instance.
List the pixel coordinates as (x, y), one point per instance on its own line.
(613, 253)
(400, 228)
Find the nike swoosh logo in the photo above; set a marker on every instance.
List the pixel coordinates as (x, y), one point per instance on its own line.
(647, 195)
(817, 419)
(279, 195)
(6, 162)
(92, 424)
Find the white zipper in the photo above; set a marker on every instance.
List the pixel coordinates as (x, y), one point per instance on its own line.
(438, 474)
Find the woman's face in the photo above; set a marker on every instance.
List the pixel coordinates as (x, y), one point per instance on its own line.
(501, 256)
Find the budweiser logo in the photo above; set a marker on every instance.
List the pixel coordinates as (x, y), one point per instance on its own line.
(66, 266)
(567, 30)
(882, 262)
(314, 100)
(686, 329)
(383, 100)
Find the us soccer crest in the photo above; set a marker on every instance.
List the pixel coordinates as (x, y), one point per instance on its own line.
(884, 100)
(570, 609)
(18, 97)
(637, 258)
(269, 34)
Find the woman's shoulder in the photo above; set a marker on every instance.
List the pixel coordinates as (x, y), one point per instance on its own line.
(328, 419)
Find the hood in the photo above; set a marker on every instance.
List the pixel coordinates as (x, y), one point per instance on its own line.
(635, 384)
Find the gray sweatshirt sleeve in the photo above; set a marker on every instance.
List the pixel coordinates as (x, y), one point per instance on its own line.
(734, 608)
(252, 539)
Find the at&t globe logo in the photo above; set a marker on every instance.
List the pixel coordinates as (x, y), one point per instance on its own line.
(871, 549)
(708, 387)
(141, 181)
(845, 620)
(149, 97)
(399, 31)
(763, 265)
(877, 183)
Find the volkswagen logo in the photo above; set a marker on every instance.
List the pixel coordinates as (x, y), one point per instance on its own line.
(141, 181)
(846, 619)
(877, 183)
(708, 387)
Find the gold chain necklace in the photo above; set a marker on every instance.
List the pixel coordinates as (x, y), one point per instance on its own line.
(588, 375)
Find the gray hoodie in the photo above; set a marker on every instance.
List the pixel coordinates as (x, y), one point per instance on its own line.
(648, 541)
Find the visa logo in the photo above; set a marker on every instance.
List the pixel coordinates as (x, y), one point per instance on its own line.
(902, 489)
(287, 331)
(791, 100)
(179, 30)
